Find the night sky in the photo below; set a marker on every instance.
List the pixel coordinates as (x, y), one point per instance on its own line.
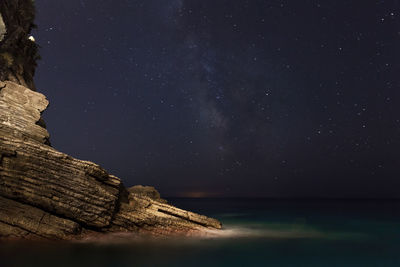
(261, 98)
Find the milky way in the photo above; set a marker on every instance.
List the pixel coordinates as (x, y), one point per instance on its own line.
(227, 98)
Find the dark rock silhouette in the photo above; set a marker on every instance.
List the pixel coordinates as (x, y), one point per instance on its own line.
(18, 53)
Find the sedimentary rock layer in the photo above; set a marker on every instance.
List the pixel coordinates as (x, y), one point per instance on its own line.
(145, 214)
(47, 194)
(35, 173)
(27, 220)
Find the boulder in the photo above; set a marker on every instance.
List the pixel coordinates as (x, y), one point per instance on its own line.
(146, 191)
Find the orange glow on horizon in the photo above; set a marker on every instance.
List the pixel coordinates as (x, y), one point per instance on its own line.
(198, 194)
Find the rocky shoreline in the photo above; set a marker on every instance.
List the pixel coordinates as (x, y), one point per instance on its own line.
(46, 194)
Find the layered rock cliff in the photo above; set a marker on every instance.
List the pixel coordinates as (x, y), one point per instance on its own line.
(46, 194)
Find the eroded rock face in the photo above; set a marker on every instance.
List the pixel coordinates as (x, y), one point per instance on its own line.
(19, 219)
(46, 194)
(146, 191)
(34, 173)
(151, 216)
(20, 110)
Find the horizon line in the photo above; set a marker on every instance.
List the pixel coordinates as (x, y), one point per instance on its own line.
(286, 198)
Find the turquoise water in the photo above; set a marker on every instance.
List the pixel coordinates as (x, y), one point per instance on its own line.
(257, 232)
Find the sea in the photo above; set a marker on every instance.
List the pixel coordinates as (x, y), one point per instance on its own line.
(256, 232)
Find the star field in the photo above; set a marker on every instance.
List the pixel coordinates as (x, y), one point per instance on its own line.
(227, 98)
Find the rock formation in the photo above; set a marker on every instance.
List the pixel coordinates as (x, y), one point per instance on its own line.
(18, 54)
(46, 194)
(146, 191)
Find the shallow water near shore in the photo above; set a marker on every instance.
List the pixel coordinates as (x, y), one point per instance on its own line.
(257, 232)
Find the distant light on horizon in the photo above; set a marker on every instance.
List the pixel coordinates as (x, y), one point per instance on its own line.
(199, 194)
